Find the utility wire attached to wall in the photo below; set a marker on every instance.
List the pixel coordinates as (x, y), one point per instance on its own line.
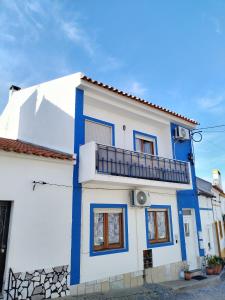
(35, 183)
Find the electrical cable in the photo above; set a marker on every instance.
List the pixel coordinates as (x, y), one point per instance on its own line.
(215, 126)
(91, 188)
(48, 183)
(200, 136)
(212, 131)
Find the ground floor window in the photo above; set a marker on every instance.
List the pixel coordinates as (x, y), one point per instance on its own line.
(108, 228)
(159, 225)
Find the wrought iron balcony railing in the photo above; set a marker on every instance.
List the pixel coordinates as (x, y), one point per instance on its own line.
(119, 162)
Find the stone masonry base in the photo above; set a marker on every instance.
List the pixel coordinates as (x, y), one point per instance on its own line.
(38, 284)
(128, 280)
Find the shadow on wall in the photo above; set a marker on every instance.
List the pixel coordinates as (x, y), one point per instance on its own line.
(43, 123)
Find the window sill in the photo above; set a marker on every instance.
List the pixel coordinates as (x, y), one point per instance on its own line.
(106, 252)
(156, 245)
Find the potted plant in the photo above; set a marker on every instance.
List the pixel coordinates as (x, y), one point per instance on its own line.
(187, 273)
(210, 260)
(218, 265)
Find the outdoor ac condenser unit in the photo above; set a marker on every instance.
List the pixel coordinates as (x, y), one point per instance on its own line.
(182, 133)
(140, 198)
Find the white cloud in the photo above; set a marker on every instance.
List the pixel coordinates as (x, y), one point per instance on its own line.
(217, 25)
(34, 6)
(23, 26)
(7, 37)
(137, 88)
(212, 103)
(78, 36)
(110, 63)
(23, 18)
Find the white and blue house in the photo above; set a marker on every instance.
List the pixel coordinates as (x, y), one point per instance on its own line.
(134, 206)
(211, 199)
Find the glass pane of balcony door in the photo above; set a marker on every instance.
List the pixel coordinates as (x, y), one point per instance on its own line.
(99, 133)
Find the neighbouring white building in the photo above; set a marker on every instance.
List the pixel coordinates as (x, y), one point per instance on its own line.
(35, 215)
(133, 206)
(211, 204)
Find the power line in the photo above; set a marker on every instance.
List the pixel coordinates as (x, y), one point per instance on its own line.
(213, 131)
(209, 127)
(35, 183)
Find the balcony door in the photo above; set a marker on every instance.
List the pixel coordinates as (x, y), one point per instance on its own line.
(98, 132)
(190, 238)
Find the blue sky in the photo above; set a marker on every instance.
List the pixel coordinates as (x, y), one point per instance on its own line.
(169, 52)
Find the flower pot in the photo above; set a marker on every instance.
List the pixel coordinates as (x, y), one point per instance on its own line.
(214, 269)
(209, 271)
(218, 269)
(187, 275)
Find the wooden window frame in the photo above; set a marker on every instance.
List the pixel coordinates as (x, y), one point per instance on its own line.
(143, 141)
(221, 230)
(106, 245)
(157, 240)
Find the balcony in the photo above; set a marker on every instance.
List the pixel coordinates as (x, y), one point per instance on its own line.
(115, 165)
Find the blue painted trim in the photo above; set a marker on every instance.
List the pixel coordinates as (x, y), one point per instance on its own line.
(156, 245)
(103, 123)
(135, 132)
(189, 198)
(77, 190)
(113, 251)
(204, 208)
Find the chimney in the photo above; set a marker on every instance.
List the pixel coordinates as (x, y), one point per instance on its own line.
(12, 89)
(217, 178)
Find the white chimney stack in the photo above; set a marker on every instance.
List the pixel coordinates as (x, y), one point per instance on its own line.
(13, 88)
(217, 178)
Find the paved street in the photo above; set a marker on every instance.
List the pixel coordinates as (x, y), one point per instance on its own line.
(213, 291)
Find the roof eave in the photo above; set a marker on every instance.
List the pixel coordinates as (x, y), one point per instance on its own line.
(140, 100)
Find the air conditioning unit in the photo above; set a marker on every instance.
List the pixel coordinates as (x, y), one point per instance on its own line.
(140, 198)
(182, 133)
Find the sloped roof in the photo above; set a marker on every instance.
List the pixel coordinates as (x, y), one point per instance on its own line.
(204, 187)
(219, 190)
(18, 146)
(145, 102)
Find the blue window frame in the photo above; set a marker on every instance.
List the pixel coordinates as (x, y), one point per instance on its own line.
(103, 123)
(143, 135)
(170, 225)
(94, 206)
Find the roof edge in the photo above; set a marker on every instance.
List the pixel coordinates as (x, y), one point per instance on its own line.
(22, 147)
(137, 99)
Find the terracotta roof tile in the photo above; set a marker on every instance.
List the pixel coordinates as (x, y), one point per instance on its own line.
(152, 105)
(18, 146)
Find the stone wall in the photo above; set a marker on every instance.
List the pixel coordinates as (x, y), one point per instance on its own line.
(39, 284)
(110, 283)
(164, 273)
(134, 279)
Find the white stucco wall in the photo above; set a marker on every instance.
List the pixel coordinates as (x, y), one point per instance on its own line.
(43, 114)
(40, 221)
(218, 215)
(98, 267)
(133, 120)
